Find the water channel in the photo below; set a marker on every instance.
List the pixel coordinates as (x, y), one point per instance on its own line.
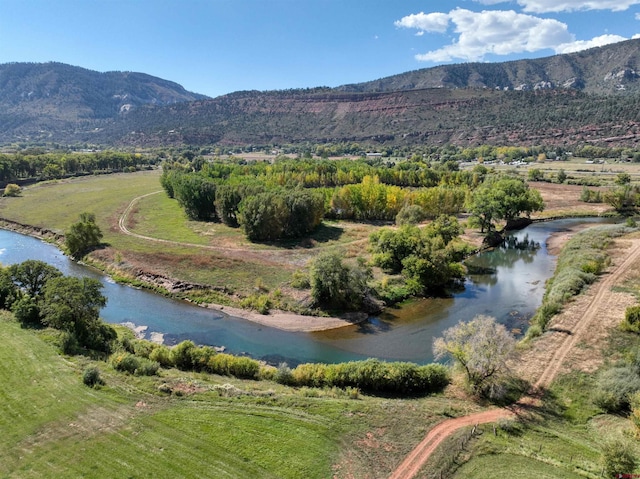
(511, 293)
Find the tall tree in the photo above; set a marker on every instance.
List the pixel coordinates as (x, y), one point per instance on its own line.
(83, 235)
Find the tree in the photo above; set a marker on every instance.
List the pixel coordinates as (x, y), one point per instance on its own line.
(480, 346)
(32, 275)
(562, 176)
(503, 198)
(337, 285)
(73, 305)
(83, 235)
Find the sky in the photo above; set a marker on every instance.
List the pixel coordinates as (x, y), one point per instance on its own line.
(215, 47)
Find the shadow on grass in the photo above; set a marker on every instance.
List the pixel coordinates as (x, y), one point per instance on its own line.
(323, 234)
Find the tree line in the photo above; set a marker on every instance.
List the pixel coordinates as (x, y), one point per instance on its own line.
(39, 165)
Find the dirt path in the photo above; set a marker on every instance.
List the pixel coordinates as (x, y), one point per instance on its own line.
(283, 320)
(602, 300)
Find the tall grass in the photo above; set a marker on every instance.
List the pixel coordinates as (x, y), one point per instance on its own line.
(581, 261)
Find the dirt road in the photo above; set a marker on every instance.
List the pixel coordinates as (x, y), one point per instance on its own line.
(602, 300)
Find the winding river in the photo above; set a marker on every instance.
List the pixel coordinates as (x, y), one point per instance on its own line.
(511, 294)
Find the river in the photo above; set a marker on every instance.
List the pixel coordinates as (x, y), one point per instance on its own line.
(511, 294)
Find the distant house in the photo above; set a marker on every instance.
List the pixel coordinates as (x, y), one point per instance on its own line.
(374, 155)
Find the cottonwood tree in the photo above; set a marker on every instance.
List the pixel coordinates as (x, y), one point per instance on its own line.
(83, 235)
(502, 198)
(481, 347)
(73, 305)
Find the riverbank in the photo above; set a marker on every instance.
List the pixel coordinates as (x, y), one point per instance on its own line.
(283, 320)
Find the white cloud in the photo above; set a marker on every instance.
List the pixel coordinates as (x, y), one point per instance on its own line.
(498, 32)
(543, 6)
(584, 44)
(637, 16)
(425, 22)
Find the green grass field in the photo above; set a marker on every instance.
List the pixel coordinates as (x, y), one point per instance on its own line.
(221, 257)
(53, 426)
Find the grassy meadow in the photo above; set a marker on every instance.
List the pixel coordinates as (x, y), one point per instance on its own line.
(56, 427)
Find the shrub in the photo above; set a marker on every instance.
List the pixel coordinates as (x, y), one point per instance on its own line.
(300, 280)
(142, 347)
(631, 321)
(91, 377)
(162, 355)
(200, 357)
(258, 302)
(283, 375)
(12, 190)
(618, 458)
(238, 366)
(131, 364)
(181, 355)
(615, 386)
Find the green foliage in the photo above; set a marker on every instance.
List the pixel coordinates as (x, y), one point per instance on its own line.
(618, 459)
(410, 215)
(31, 276)
(162, 355)
(590, 196)
(237, 366)
(284, 375)
(83, 235)
(502, 198)
(73, 305)
(535, 175)
(371, 375)
(337, 285)
(561, 176)
(182, 355)
(623, 179)
(631, 321)
(258, 302)
(196, 195)
(278, 214)
(132, 364)
(426, 257)
(617, 384)
(26, 311)
(300, 280)
(91, 377)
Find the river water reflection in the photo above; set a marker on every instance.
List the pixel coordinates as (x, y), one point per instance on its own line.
(511, 294)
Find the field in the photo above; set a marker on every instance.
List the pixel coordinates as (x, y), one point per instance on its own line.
(54, 426)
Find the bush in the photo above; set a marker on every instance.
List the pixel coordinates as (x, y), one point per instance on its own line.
(162, 355)
(12, 190)
(131, 364)
(238, 366)
(618, 458)
(258, 302)
(91, 377)
(181, 355)
(284, 375)
(631, 321)
(615, 386)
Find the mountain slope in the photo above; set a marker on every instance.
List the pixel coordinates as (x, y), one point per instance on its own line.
(54, 99)
(591, 96)
(603, 70)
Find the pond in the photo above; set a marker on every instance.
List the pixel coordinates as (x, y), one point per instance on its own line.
(511, 292)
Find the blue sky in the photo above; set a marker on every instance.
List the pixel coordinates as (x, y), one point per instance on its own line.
(220, 46)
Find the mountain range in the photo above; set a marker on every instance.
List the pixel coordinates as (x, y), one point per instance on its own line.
(591, 96)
